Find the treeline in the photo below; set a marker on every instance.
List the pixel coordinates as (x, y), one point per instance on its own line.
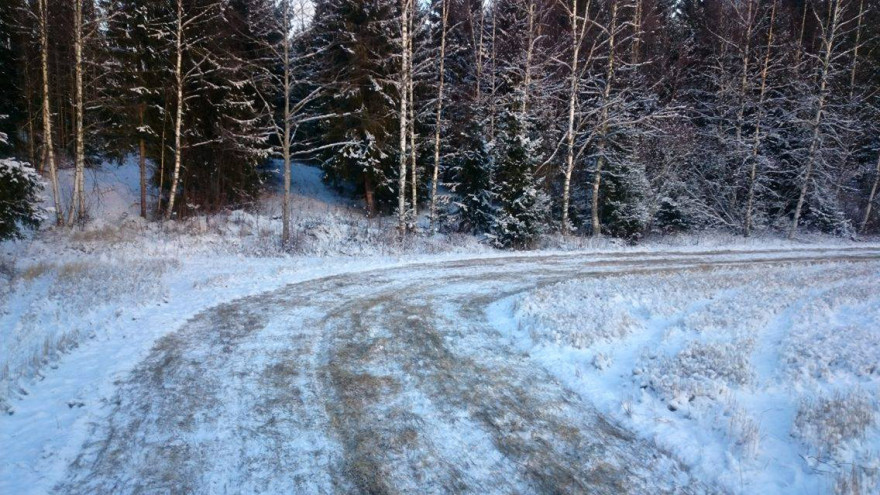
(508, 118)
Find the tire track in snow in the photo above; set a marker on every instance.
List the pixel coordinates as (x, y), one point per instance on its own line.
(356, 383)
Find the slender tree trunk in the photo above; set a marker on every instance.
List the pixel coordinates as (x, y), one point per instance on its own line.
(285, 215)
(855, 61)
(47, 111)
(162, 146)
(412, 119)
(637, 32)
(439, 112)
(493, 79)
(757, 137)
(29, 91)
(827, 59)
(800, 45)
(78, 204)
(477, 40)
(871, 197)
(572, 101)
(744, 80)
(142, 162)
(606, 96)
(530, 51)
(404, 112)
(178, 120)
(369, 195)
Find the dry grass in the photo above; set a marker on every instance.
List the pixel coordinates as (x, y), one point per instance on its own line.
(828, 423)
(32, 272)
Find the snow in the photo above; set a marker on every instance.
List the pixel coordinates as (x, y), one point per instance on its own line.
(773, 359)
(760, 380)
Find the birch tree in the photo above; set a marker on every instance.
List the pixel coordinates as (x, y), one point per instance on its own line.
(187, 37)
(49, 149)
(438, 119)
(578, 26)
(833, 27)
(78, 203)
(406, 6)
(279, 27)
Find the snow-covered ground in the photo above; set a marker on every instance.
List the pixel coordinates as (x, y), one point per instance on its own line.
(771, 357)
(766, 381)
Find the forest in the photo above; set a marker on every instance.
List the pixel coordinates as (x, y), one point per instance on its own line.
(507, 119)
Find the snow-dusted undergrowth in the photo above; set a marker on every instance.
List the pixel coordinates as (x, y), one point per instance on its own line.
(761, 379)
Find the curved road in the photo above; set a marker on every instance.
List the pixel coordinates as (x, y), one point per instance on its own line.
(391, 381)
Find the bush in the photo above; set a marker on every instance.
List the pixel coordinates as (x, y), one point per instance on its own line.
(20, 186)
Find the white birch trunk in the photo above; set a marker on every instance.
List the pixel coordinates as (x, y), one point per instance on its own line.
(412, 119)
(572, 101)
(871, 197)
(855, 61)
(285, 214)
(47, 112)
(827, 59)
(179, 80)
(404, 99)
(439, 112)
(77, 203)
(757, 138)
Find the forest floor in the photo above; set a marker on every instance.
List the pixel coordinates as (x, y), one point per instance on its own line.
(195, 357)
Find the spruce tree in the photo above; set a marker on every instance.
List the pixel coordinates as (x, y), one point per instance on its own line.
(521, 206)
(358, 66)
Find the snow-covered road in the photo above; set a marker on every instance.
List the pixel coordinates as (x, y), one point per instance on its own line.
(388, 381)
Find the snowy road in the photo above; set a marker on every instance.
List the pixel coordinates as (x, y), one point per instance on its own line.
(390, 381)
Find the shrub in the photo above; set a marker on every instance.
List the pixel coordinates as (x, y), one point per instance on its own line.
(20, 186)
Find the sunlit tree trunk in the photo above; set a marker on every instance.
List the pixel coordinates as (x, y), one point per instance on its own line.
(439, 111)
(47, 111)
(77, 203)
(178, 112)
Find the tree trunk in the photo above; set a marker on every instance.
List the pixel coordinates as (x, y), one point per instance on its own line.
(178, 77)
(828, 42)
(572, 99)
(412, 122)
(439, 114)
(757, 138)
(594, 200)
(285, 215)
(637, 32)
(29, 90)
(369, 195)
(78, 204)
(744, 80)
(855, 61)
(404, 99)
(142, 162)
(162, 145)
(530, 51)
(606, 96)
(871, 197)
(493, 80)
(47, 111)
